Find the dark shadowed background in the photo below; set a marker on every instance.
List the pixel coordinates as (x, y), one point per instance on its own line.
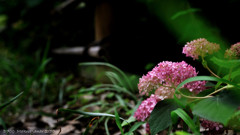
(142, 31)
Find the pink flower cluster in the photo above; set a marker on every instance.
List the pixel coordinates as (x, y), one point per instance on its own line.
(214, 126)
(199, 47)
(233, 52)
(165, 77)
(147, 128)
(146, 107)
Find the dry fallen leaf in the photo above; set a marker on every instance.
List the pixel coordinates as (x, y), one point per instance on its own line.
(73, 122)
(117, 133)
(48, 108)
(49, 120)
(66, 129)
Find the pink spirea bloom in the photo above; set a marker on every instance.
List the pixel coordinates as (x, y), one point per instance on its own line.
(145, 108)
(210, 125)
(199, 47)
(165, 77)
(233, 52)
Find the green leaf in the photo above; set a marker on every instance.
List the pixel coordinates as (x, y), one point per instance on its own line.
(115, 78)
(109, 87)
(183, 101)
(120, 100)
(118, 122)
(92, 104)
(233, 76)
(160, 117)
(134, 127)
(3, 21)
(10, 101)
(225, 63)
(149, 66)
(219, 108)
(234, 122)
(111, 66)
(205, 92)
(184, 116)
(206, 78)
(40, 69)
(181, 133)
(209, 84)
(88, 113)
(106, 126)
(174, 119)
(3, 124)
(128, 121)
(184, 12)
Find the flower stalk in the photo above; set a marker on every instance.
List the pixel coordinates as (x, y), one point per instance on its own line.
(209, 95)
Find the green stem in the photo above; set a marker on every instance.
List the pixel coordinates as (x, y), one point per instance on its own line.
(194, 97)
(216, 91)
(204, 63)
(230, 72)
(209, 95)
(211, 72)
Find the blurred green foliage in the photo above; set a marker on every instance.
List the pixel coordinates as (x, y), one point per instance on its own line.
(184, 21)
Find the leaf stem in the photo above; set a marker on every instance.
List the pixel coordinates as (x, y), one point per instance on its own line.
(194, 97)
(211, 71)
(216, 91)
(204, 63)
(209, 95)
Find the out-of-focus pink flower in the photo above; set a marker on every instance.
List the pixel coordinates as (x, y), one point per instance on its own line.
(146, 107)
(147, 128)
(165, 77)
(233, 52)
(199, 47)
(214, 126)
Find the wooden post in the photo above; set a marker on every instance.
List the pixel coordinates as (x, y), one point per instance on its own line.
(103, 20)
